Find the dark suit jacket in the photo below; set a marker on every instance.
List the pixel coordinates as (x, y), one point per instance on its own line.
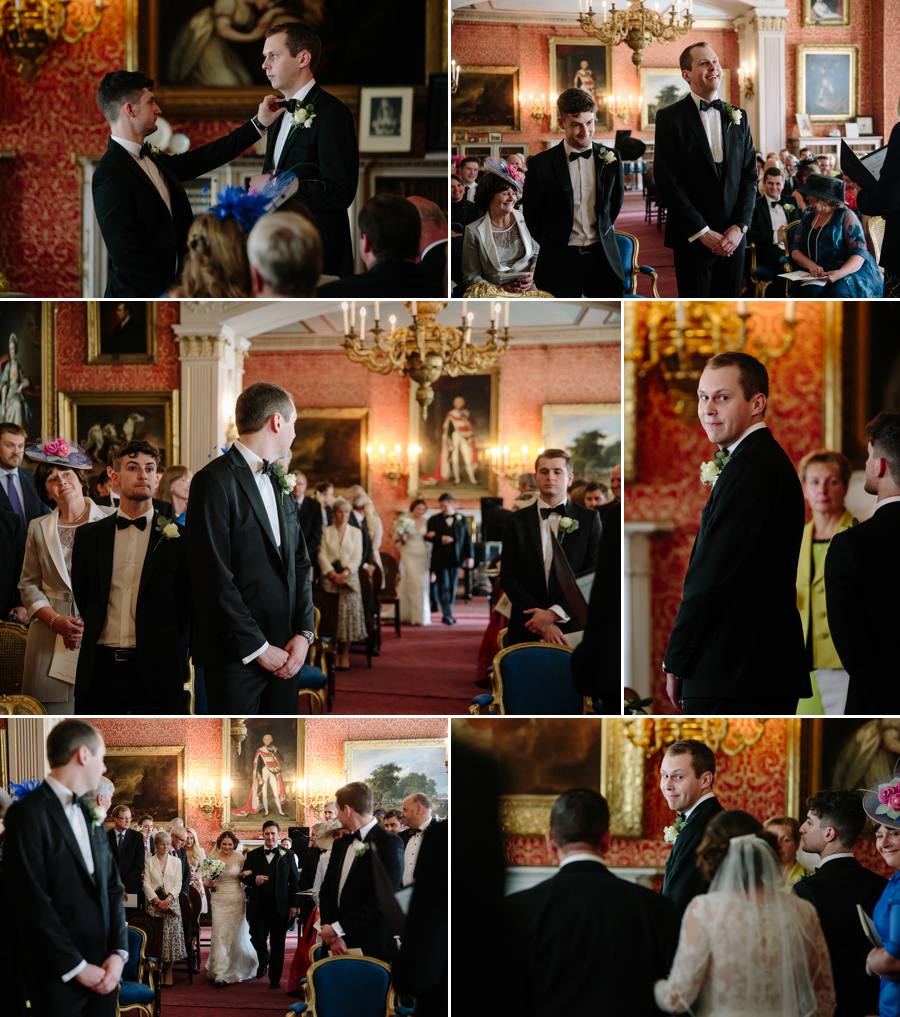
(462, 213)
(309, 516)
(368, 557)
(12, 540)
(64, 914)
(364, 923)
(433, 267)
(628, 932)
(130, 860)
(325, 158)
(834, 890)
(682, 881)
(548, 204)
(760, 233)
(32, 504)
(384, 279)
(883, 198)
(522, 564)
(146, 243)
(246, 590)
(164, 508)
(448, 556)
(689, 186)
(280, 892)
(861, 570)
(162, 615)
(737, 636)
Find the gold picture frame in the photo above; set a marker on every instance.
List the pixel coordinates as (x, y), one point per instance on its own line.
(82, 420)
(131, 767)
(823, 18)
(426, 757)
(100, 314)
(342, 437)
(501, 112)
(243, 735)
(819, 70)
(564, 52)
(34, 324)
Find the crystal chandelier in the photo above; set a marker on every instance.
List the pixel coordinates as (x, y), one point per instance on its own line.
(636, 25)
(425, 350)
(31, 27)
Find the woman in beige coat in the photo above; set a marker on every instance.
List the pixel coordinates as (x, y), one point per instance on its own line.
(162, 889)
(340, 556)
(45, 586)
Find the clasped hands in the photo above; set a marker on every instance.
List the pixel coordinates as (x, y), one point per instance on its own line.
(71, 630)
(287, 662)
(102, 979)
(544, 623)
(332, 940)
(723, 244)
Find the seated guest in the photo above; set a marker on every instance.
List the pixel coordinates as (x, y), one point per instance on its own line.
(499, 253)
(786, 831)
(827, 163)
(174, 488)
(340, 556)
(883, 198)
(831, 245)
(17, 490)
(389, 245)
(518, 160)
(162, 888)
(433, 241)
(468, 170)
(833, 824)
(12, 539)
(285, 254)
(309, 516)
(127, 848)
(770, 214)
(462, 211)
(45, 585)
(130, 582)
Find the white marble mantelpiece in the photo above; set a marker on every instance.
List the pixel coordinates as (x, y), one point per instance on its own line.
(639, 668)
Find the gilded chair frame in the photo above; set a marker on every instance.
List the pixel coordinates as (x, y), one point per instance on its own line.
(310, 989)
(497, 675)
(322, 658)
(142, 1008)
(634, 269)
(21, 706)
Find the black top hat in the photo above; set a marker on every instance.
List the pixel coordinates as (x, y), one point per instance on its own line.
(827, 188)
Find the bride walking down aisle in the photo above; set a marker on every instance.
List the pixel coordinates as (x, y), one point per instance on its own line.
(415, 566)
(231, 954)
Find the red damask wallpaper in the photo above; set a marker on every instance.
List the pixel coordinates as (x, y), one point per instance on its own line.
(669, 452)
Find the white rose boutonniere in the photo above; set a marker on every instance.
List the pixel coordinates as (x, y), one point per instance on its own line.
(95, 811)
(167, 528)
(788, 207)
(608, 156)
(670, 833)
(304, 115)
(360, 847)
(735, 115)
(709, 471)
(286, 481)
(567, 525)
(459, 517)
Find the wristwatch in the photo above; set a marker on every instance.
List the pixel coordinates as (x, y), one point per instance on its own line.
(259, 125)
(310, 637)
(744, 229)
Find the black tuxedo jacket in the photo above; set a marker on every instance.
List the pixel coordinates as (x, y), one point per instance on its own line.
(686, 177)
(12, 540)
(384, 279)
(280, 892)
(164, 508)
(309, 516)
(682, 881)
(162, 614)
(433, 268)
(364, 923)
(64, 914)
(32, 504)
(834, 890)
(522, 564)
(883, 198)
(462, 213)
(325, 158)
(861, 570)
(548, 204)
(448, 556)
(130, 859)
(368, 557)
(629, 933)
(760, 233)
(247, 591)
(146, 243)
(738, 633)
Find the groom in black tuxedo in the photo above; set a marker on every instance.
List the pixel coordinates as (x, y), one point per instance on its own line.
(573, 194)
(143, 211)
(63, 884)
(737, 643)
(271, 888)
(705, 170)
(363, 868)
(253, 611)
(686, 781)
(131, 585)
(451, 548)
(316, 140)
(545, 545)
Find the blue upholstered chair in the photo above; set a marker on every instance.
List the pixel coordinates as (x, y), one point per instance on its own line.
(136, 993)
(533, 679)
(347, 986)
(628, 252)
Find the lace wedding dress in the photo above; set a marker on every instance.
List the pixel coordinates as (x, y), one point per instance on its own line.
(415, 592)
(231, 954)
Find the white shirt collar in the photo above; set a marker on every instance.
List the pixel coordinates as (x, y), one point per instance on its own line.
(831, 858)
(250, 457)
(569, 150)
(699, 98)
(580, 856)
(131, 147)
(539, 501)
(9, 472)
(886, 501)
(364, 830)
(753, 427)
(709, 794)
(430, 247)
(63, 793)
(424, 826)
(148, 514)
(304, 92)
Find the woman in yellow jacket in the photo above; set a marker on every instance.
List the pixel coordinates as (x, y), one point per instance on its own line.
(825, 477)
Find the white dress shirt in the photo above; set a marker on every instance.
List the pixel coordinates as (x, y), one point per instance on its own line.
(411, 853)
(349, 859)
(583, 175)
(753, 427)
(778, 219)
(548, 525)
(149, 167)
(129, 553)
(286, 122)
(830, 858)
(711, 120)
(885, 501)
(709, 794)
(16, 483)
(469, 190)
(581, 856)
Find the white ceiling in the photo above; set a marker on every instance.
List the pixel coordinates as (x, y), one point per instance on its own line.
(705, 10)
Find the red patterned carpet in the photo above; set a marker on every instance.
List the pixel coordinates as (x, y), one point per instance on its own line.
(651, 250)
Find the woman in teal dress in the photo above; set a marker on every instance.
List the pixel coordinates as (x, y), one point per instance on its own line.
(882, 806)
(831, 246)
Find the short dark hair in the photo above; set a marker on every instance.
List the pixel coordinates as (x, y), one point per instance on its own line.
(300, 37)
(231, 836)
(553, 453)
(754, 376)
(592, 486)
(67, 737)
(42, 472)
(118, 810)
(357, 795)
(8, 427)
(417, 501)
(470, 158)
(579, 815)
(773, 171)
(257, 403)
(133, 449)
(456, 177)
(574, 101)
(119, 87)
(685, 60)
(842, 810)
(271, 822)
(393, 227)
(323, 486)
(884, 434)
(488, 186)
(393, 814)
(703, 759)
(446, 496)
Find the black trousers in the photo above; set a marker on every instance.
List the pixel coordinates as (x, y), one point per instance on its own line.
(267, 932)
(700, 273)
(447, 581)
(772, 706)
(577, 272)
(52, 998)
(115, 684)
(249, 689)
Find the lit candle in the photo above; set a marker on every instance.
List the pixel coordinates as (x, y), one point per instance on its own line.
(345, 307)
(742, 306)
(377, 310)
(362, 323)
(506, 315)
(679, 314)
(415, 308)
(392, 321)
(790, 312)
(465, 309)
(353, 313)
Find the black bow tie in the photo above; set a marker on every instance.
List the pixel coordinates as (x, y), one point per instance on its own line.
(774, 204)
(356, 835)
(715, 104)
(288, 104)
(146, 150)
(267, 468)
(122, 522)
(580, 155)
(547, 512)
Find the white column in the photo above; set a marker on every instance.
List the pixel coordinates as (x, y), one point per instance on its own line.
(762, 50)
(27, 747)
(639, 667)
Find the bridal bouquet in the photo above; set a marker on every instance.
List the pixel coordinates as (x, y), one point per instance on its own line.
(404, 527)
(212, 868)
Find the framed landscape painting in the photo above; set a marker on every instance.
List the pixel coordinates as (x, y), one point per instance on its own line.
(148, 779)
(487, 99)
(590, 432)
(331, 445)
(264, 760)
(27, 366)
(828, 82)
(395, 769)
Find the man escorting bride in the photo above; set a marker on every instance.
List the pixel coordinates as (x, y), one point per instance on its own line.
(231, 954)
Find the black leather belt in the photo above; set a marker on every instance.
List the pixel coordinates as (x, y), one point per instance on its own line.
(118, 654)
(586, 249)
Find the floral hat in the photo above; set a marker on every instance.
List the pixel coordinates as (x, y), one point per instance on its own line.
(511, 174)
(59, 452)
(883, 804)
